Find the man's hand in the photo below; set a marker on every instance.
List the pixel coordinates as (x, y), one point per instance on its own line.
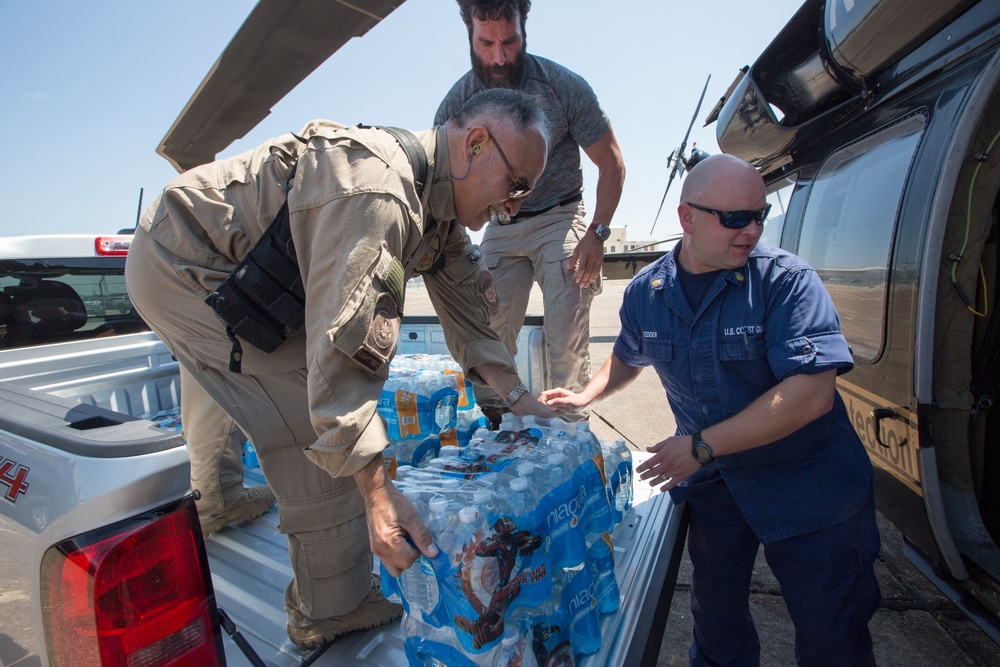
(587, 259)
(671, 464)
(393, 524)
(526, 405)
(564, 399)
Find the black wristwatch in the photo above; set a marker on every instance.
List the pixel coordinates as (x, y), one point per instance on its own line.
(603, 232)
(701, 452)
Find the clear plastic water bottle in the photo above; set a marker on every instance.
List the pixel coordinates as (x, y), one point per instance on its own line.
(449, 452)
(420, 588)
(520, 501)
(440, 516)
(402, 471)
(559, 428)
(465, 534)
(577, 601)
(529, 471)
(468, 421)
(444, 413)
(510, 652)
(485, 499)
(545, 628)
(447, 457)
(510, 422)
(556, 471)
(623, 488)
(404, 451)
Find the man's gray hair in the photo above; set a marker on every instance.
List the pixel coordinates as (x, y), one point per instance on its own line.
(518, 110)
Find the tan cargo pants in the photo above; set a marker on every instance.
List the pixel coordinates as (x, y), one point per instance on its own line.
(323, 516)
(215, 447)
(538, 249)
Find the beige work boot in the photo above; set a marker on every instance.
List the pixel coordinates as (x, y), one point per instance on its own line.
(255, 501)
(373, 611)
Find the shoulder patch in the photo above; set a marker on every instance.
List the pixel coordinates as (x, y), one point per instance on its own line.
(426, 261)
(380, 341)
(488, 290)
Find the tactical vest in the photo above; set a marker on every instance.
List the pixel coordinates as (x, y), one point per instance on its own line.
(262, 301)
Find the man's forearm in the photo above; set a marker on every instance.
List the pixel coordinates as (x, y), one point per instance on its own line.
(372, 478)
(499, 380)
(613, 376)
(607, 157)
(787, 407)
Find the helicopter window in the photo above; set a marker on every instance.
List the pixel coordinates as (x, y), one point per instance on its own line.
(778, 198)
(849, 223)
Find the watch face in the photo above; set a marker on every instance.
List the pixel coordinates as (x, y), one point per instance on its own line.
(603, 232)
(702, 453)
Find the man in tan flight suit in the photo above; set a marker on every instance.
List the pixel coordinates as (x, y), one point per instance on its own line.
(359, 229)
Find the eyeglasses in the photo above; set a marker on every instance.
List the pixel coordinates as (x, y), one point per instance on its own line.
(736, 219)
(519, 189)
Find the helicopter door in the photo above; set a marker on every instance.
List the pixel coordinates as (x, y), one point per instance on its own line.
(847, 234)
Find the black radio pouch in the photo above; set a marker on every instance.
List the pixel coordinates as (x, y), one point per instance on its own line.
(263, 301)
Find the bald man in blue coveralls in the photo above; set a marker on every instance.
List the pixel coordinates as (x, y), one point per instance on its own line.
(747, 344)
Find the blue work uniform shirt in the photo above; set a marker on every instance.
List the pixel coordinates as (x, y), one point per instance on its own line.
(755, 326)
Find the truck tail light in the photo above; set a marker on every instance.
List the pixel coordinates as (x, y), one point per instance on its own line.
(108, 246)
(136, 594)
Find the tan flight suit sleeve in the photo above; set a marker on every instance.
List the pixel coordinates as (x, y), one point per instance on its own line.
(348, 223)
(465, 298)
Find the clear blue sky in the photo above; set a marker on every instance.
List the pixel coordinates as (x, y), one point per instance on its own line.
(89, 89)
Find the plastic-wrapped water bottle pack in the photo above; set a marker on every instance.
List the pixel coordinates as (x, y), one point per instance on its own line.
(440, 363)
(522, 518)
(426, 403)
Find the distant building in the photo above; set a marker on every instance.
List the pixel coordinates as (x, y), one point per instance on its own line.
(618, 243)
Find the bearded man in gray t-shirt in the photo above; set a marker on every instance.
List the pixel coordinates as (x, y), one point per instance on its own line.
(545, 237)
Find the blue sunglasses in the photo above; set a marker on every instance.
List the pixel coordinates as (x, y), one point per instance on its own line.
(736, 219)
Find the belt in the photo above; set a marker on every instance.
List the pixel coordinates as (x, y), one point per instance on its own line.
(572, 199)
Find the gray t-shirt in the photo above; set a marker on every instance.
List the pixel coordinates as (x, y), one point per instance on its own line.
(575, 119)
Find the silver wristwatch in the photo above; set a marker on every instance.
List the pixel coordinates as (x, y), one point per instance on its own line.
(515, 394)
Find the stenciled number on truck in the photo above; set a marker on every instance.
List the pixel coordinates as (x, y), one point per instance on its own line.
(14, 476)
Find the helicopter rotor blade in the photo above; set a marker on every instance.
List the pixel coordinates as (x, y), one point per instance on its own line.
(679, 153)
(697, 109)
(673, 172)
(279, 44)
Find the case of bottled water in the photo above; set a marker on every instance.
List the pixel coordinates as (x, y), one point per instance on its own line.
(415, 404)
(440, 363)
(522, 519)
(426, 403)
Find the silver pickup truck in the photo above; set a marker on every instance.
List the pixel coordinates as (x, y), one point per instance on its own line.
(102, 556)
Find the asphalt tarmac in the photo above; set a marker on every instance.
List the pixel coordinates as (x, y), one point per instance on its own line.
(915, 626)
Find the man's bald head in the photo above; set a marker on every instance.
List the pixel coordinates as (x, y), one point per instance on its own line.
(715, 176)
(720, 183)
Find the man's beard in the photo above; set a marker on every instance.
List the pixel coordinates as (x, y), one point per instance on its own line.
(508, 75)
